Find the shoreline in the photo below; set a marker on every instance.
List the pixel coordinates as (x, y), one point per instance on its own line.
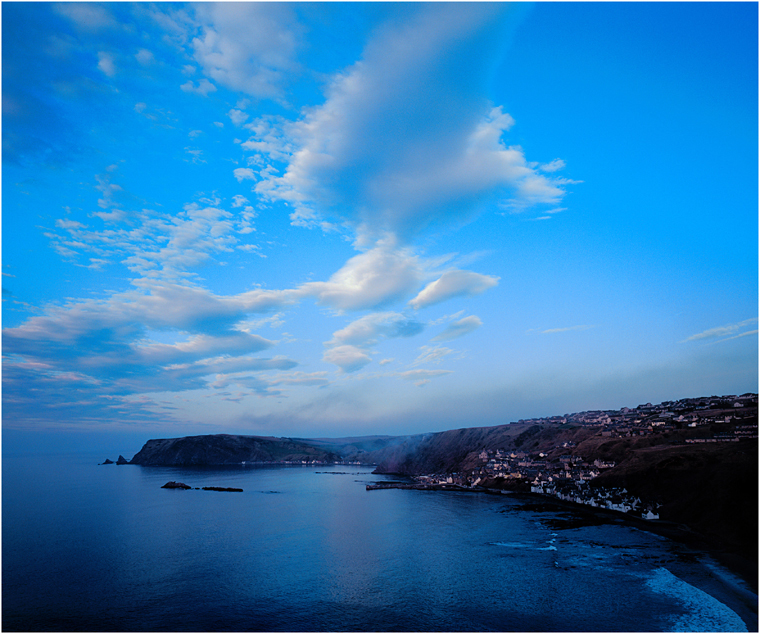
(745, 569)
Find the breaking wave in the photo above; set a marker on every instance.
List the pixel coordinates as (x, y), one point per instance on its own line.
(704, 613)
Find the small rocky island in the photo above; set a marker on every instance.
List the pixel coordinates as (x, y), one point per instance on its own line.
(176, 485)
(120, 460)
(183, 486)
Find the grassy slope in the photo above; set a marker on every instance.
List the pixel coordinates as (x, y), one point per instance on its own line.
(711, 488)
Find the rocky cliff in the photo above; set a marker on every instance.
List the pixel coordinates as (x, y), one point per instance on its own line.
(218, 449)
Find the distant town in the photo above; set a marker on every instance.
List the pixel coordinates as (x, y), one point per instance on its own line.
(561, 474)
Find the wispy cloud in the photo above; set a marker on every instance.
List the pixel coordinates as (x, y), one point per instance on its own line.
(106, 64)
(87, 16)
(567, 329)
(150, 243)
(724, 333)
(204, 87)
(459, 328)
(422, 377)
(368, 330)
(432, 354)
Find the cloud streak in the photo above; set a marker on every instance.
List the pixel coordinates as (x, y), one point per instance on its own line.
(723, 332)
(551, 331)
(459, 328)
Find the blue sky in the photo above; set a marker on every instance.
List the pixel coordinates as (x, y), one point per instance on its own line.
(340, 219)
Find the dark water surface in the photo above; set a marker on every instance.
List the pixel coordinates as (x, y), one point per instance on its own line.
(105, 548)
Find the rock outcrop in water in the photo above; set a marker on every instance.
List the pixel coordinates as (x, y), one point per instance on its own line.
(230, 489)
(183, 486)
(176, 485)
(107, 461)
(122, 460)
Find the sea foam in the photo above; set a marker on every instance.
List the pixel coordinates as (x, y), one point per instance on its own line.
(704, 612)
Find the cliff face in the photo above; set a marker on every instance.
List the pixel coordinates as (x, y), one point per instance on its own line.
(713, 489)
(227, 449)
(457, 450)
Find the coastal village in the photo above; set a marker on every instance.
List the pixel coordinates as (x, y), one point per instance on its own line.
(562, 474)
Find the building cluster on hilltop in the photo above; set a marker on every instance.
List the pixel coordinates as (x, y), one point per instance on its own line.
(647, 419)
(562, 474)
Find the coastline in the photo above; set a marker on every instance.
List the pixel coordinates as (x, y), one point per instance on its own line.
(739, 592)
(743, 567)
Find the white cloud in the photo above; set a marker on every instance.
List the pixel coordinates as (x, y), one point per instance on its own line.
(351, 342)
(144, 56)
(347, 358)
(270, 137)
(459, 328)
(244, 173)
(453, 284)
(204, 87)
(375, 278)
(744, 334)
(237, 117)
(404, 138)
(248, 47)
(106, 63)
(553, 166)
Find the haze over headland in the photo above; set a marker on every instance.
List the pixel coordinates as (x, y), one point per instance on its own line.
(320, 220)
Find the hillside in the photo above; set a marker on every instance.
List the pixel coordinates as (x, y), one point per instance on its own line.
(219, 449)
(711, 488)
(457, 450)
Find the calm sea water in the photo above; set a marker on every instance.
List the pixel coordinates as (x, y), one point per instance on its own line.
(103, 548)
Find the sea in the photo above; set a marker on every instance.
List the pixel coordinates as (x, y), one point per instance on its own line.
(91, 547)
